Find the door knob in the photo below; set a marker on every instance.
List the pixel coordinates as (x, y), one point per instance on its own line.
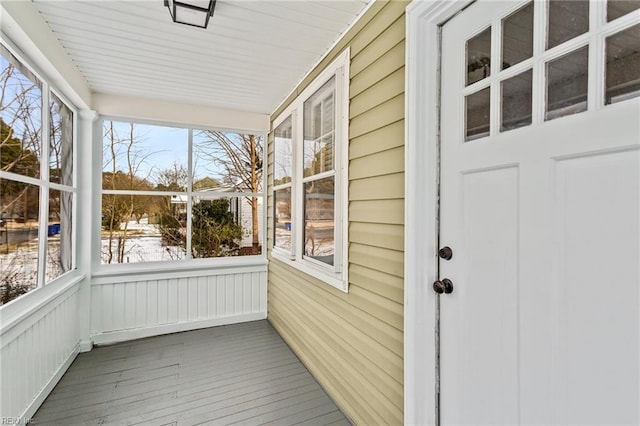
(443, 286)
(445, 253)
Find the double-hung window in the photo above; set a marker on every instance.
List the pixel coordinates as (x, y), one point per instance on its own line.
(310, 143)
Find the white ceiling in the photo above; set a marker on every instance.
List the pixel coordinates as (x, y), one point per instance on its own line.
(249, 59)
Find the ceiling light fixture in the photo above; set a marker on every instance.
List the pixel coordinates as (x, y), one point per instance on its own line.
(191, 12)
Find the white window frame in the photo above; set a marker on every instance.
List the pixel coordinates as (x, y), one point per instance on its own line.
(290, 254)
(335, 275)
(43, 182)
(190, 263)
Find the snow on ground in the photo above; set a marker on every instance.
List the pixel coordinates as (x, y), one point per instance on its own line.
(19, 267)
(143, 244)
(19, 262)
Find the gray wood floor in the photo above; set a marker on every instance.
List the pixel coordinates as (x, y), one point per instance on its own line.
(235, 374)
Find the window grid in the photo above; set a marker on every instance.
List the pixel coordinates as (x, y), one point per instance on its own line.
(191, 197)
(598, 31)
(51, 262)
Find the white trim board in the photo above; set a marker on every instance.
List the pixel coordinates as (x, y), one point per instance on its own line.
(159, 270)
(126, 335)
(129, 108)
(421, 203)
(22, 313)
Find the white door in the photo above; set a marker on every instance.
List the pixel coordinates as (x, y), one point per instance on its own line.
(540, 189)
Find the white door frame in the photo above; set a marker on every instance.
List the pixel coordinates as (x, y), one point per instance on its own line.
(421, 194)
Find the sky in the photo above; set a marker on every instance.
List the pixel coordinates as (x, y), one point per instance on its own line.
(158, 148)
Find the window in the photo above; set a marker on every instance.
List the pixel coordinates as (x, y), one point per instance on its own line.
(36, 195)
(171, 194)
(282, 181)
(310, 142)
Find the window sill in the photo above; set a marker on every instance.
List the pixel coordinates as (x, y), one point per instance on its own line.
(309, 268)
(182, 267)
(17, 311)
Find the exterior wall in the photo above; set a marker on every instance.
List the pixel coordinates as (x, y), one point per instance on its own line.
(353, 343)
(125, 307)
(39, 337)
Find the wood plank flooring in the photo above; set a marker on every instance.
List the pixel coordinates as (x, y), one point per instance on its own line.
(241, 374)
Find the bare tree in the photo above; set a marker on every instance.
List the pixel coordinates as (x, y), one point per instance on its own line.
(20, 137)
(20, 153)
(238, 156)
(117, 210)
(20, 102)
(173, 179)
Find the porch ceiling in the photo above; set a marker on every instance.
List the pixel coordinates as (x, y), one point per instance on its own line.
(249, 59)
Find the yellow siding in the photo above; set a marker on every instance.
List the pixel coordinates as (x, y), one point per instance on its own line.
(387, 137)
(386, 187)
(353, 343)
(377, 164)
(391, 236)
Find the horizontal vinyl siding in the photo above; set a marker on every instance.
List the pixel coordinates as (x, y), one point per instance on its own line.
(353, 343)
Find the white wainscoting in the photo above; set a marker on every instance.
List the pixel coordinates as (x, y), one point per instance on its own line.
(126, 307)
(39, 338)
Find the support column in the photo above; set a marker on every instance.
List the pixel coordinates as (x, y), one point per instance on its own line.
(87, 202)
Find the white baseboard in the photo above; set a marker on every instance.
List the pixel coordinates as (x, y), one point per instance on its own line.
(139, 333)
(86, 345)
(31, 410)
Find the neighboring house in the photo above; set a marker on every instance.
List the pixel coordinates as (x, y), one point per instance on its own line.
(452, 220)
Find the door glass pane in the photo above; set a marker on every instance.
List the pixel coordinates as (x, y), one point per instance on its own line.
(567, 19)
(623, 65)
(319, 219)
(477, 115)
(283, 153)
(319, 130)
(516, 101)
(282, 218)
(479, 57)
(618, 8)
(567, 80)
(517, 37)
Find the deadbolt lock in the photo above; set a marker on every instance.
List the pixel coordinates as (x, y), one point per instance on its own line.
(445, 253)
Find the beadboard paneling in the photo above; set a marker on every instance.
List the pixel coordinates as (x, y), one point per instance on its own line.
(122, 48)
(130, 307)
(37, 349)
